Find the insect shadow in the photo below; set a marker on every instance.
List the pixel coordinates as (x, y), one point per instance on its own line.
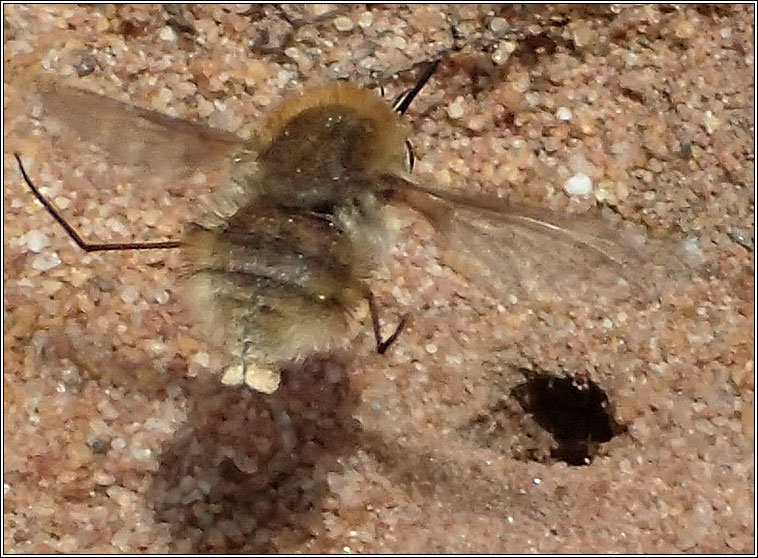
(249, 472)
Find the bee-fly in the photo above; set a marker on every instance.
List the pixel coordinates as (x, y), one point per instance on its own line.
(279, 266)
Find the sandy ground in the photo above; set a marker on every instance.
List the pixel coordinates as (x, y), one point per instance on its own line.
(464, 437)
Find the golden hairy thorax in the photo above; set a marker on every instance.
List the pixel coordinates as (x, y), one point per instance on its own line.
(280, 259)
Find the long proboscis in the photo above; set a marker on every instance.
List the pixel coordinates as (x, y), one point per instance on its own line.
(76, 237)
(402, 104)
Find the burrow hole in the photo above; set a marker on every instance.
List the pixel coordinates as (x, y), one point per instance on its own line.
(575, 411)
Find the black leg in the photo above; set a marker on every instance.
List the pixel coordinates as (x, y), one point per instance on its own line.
(382, 346)
(80, 242)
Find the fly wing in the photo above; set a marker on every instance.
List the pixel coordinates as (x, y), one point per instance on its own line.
(166, 146)
(514, 249)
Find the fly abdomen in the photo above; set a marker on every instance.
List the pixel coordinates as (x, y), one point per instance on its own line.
(279, 281)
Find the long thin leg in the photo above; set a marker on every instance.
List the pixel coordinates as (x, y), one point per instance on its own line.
(80, 242)
(382, 346)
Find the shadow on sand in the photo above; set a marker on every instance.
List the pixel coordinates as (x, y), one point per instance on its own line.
(248, 472)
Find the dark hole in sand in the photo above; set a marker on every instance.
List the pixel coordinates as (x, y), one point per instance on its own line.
(575, 411)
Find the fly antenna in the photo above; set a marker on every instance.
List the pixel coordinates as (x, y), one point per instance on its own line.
(80, 242)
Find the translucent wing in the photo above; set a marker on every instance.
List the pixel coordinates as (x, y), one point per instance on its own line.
(515, 249)
(131, 136)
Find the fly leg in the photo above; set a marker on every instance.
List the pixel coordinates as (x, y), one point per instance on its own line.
(382, 346)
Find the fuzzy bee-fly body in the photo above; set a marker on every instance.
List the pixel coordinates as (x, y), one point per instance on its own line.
(282, 261)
